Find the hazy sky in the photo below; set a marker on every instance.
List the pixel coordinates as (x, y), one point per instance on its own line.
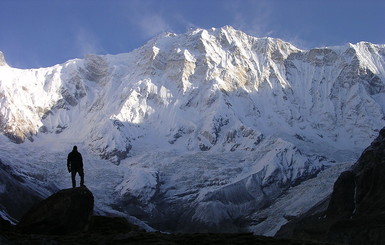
(40, 33)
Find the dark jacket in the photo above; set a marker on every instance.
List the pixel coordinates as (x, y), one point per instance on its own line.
(74, 161)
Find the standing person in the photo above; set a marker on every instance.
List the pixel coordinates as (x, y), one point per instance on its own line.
(75, 165)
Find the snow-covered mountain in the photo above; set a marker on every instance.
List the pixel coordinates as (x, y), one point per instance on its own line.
(197, 131)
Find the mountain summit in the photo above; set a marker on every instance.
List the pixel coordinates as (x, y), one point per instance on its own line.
(204, 127)
(2, 59)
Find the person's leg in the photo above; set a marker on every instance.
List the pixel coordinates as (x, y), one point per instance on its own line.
(73, 174)
(81, 173)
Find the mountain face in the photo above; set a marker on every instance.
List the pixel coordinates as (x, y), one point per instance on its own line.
(196, 131)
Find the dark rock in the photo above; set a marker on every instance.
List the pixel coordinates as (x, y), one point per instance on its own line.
(117, 230)
(19, 196)
(111, 225)
(150, 238)
(342, 200)
(5, 225)
(356, 211)
(67, 211)
(310, 225)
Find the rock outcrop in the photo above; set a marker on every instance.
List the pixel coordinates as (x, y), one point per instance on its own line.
(65, 212)
(356, 211)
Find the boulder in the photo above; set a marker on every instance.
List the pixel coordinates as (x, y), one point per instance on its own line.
(65, 212)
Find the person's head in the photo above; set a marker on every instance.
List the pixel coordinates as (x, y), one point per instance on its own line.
(75, 148)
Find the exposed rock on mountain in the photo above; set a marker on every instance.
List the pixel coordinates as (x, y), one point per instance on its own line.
(355, 214)
(67, 211)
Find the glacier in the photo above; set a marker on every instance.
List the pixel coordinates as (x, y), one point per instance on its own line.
(211, 130)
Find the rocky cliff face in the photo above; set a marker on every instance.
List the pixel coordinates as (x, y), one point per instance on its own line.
(204, 127)
(355, 211)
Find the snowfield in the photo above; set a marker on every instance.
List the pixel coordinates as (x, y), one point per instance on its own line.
(211, 130)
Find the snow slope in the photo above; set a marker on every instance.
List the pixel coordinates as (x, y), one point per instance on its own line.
(192, 132)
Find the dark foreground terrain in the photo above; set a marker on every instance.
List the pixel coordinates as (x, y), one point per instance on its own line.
(355, 213)
(67, 218)
(105, 236)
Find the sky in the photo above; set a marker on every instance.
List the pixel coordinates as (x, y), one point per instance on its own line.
(42, 33)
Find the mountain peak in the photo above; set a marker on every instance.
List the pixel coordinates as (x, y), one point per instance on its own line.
(2, 60)
(206, 123)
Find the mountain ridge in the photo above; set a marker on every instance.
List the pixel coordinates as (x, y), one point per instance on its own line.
(91, 63)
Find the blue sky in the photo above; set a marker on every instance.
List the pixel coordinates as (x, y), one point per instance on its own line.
(41, 33)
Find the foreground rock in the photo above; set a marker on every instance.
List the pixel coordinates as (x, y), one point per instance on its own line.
(65, 212)
(356, 211)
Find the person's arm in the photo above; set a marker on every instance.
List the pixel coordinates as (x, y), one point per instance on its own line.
(69, 163)
(81, 160)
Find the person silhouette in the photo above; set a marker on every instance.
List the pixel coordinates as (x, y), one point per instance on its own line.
(75, 165)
